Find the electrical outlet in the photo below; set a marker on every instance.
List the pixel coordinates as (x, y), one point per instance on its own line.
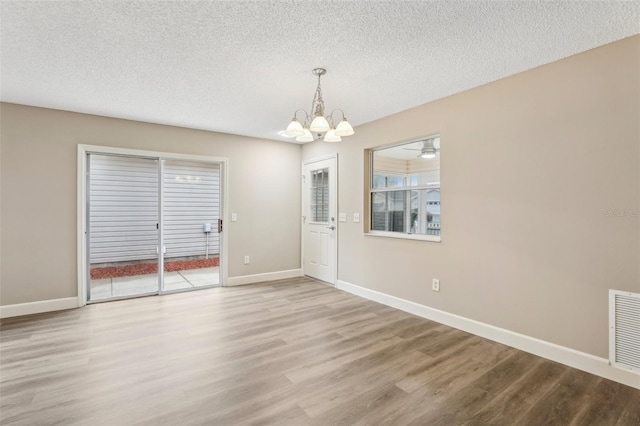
(435, 284)
(246, 260)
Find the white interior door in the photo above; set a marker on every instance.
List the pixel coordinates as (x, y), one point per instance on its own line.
(319, 221)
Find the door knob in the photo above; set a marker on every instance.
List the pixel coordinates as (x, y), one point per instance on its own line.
(331, 227)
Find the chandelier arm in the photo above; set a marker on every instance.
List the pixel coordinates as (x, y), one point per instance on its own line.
(330, 117)
(295, 114)
(338, 109)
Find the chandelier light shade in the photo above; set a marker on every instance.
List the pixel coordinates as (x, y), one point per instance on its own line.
(306, 136)
(344, 128)
(294, 128)
(331, 136)
(316, 121)
(319, 124)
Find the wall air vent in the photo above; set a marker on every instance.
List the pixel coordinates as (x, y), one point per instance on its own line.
(624, 330)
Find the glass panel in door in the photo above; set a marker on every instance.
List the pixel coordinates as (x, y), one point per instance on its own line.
(191, 210)
(319, 206)
(123, 226)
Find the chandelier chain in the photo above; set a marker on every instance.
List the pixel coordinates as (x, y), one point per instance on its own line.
(317, 105)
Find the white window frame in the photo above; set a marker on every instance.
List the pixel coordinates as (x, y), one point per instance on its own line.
(371, 191)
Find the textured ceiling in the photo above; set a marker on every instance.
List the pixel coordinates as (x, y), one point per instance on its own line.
(243, 67)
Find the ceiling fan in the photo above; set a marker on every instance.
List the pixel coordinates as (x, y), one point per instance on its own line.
(428, 149)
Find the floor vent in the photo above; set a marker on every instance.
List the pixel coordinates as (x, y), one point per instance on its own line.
(624, 330)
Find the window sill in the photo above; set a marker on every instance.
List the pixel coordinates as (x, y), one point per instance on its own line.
(403, 236)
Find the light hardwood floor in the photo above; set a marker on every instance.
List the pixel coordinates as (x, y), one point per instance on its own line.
(291, 352)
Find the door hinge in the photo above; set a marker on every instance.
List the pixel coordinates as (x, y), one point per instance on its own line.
(219, 225)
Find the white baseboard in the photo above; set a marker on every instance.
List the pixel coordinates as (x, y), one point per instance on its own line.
(30, 308)
(567, 356)
(268, 276)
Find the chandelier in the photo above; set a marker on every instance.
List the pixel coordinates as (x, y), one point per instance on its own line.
(317, 122)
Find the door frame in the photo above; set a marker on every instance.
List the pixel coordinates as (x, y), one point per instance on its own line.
(333, 187)
(81, 221)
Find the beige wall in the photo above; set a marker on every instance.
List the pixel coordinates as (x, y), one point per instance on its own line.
(530, 164)
(38, 213)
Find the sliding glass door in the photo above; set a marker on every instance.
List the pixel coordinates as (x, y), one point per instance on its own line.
(191, 214)
(153, 226)
(123, 202)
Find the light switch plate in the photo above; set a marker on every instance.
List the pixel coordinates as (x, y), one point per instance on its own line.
(342, 217)
(356, 217)
(234, 217)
